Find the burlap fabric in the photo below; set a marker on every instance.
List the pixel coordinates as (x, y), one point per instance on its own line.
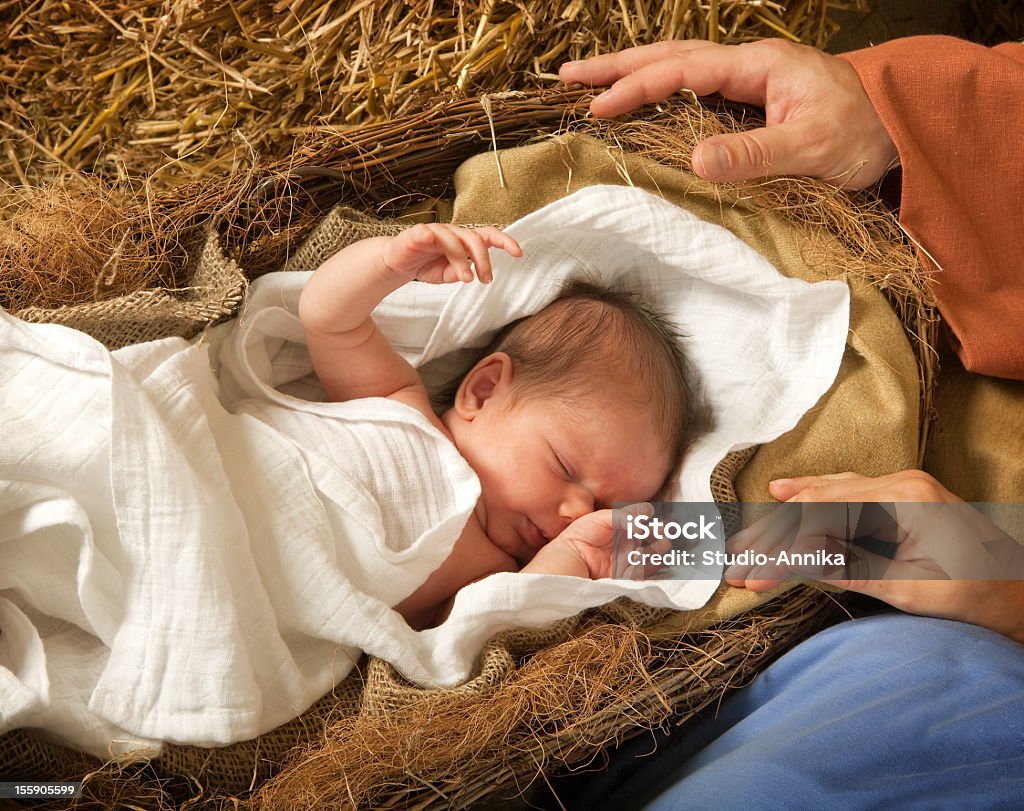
(214, 292)
(977, 449)
(867, 422)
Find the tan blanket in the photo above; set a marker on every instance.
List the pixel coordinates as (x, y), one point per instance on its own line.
(977, 449)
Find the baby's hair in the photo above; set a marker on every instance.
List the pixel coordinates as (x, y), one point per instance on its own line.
(591, 332)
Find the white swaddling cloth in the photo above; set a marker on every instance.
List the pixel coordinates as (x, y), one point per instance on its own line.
(192, 552)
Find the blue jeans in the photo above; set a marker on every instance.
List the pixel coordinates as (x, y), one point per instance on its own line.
(890, 711)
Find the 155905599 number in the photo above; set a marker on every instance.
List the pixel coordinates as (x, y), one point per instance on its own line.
(13, 789)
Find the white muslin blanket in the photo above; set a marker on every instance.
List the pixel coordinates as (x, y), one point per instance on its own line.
(194, 547)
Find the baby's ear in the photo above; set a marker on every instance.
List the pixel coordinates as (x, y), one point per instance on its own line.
(490, 379)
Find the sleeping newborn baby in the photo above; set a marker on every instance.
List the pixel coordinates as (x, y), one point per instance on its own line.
(194, 548)
(585, 404)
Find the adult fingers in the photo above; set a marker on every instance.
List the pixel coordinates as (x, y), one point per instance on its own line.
(785, 489)
(782, 149)
(607, 68)
(906, 485)
(829, 560)
(801, 540)
(728, 70)
(766, 536)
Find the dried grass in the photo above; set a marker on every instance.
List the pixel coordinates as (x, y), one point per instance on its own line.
(561, 706)
(76, 241)
(181, 89)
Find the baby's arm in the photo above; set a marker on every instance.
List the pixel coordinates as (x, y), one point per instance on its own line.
(583, 549)
(350, 355)
(472, 558)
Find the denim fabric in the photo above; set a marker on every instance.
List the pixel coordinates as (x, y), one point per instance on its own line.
(890, 711)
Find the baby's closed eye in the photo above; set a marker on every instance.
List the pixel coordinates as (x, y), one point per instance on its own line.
(561, 466)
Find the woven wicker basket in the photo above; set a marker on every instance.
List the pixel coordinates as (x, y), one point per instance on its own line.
(384, 170)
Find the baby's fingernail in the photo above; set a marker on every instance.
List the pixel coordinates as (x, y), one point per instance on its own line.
(779, 484)
(710, 160)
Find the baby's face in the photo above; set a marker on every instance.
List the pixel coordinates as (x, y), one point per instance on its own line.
(542, 464)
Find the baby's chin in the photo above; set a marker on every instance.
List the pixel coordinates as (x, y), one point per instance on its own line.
(507, 537)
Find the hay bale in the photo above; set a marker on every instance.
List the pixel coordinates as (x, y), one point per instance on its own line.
(179, 90)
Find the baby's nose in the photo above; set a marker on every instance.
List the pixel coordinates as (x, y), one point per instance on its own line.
(576, 501)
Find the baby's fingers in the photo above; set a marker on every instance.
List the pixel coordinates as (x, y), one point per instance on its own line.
(494, 238)
(497, 238)
(633, 559)
(476, 248)
(593, 528)
(450, 243)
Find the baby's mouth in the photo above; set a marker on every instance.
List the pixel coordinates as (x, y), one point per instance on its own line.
(535, 537)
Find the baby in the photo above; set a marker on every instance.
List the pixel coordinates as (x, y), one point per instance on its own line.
(585, 404)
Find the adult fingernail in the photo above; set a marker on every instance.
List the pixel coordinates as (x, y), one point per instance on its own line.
(711, 160)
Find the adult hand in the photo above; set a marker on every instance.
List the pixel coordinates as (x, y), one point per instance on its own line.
(820, 122)
(947, 558)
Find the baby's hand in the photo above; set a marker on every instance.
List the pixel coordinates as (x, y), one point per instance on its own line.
(585, 548)
(582, 549)
(622, 568)
(439, 253)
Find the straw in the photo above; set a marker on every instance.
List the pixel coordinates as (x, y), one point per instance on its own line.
(181, 90)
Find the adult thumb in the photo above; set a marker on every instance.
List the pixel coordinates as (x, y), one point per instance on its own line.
(763, 152)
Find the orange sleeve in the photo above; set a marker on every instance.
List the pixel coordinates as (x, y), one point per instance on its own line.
(955, 111)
